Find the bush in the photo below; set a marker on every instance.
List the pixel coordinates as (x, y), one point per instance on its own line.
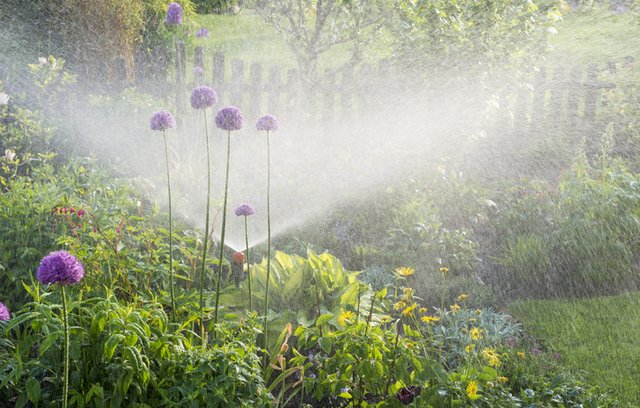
(216, 6)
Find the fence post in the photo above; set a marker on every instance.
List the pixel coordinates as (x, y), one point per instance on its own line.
(273, 86)
(572, 99)
(255, 92)
(181, 56)
(591, 93)
(292, 95)
(237, 80)
(218, 74)
(557, 93)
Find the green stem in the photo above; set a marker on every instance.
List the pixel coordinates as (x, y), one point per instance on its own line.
(442, 297)
(65, 381)
(206, 226)
(246, 240)
(266, 289)
(172, 277)
(224, 220)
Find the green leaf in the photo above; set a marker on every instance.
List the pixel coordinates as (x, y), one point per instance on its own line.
(33, 390)
(325, 344)
(324, 319)
(111, 344)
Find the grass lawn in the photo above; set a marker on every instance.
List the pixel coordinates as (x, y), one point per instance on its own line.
(600, 336)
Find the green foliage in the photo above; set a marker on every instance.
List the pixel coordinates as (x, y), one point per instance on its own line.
(123, 354)
(462, 36)
(215, 6)
(577, 241)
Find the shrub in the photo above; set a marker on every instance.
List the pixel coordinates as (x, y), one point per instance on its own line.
(215, 6)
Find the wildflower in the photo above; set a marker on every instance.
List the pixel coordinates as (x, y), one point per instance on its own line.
(444, 270)
(4, 99)
(406, 394)
(455, 307)
(4, 312)
(408, 312)
(267, 122)
(9, 154)
(476, 333)
(520, 354)
(423, 310)
(202, 33)
(430, 319)
(477, 312)
(491, 356)
(174, 14)
(238, 258)
(472, 320)
(462, 297)
(346, 316)
(229, 118)
(162, 120)
(405, 271)
(503, 379)
(399, 305)
(198, 71)
(472, 390)
(386, 319)
(203, 97)
(407, 292)
(470, 348)
(60, 267)
(244, 209)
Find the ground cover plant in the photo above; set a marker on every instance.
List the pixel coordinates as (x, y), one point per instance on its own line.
(165, 314)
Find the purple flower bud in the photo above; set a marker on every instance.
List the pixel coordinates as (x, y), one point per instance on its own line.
(4, 312)
(174, 14)
(267, 122)
(198, 71)
(162, 120)
(229, 118)
(60, 267)
(244, 209)
(202, 33)
(203, 97)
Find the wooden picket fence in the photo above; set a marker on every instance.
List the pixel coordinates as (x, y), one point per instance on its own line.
(562, 94)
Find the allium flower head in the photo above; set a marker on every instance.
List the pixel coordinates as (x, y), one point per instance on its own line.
(162, 120)
(198, 71)
(60, 267)
(202, 33)
(267, 122)
(4, 312)
(203, 97)
(174, 14)
(229, 118)
(245, 209)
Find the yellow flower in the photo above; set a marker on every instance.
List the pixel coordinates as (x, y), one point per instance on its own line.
(386, 319)
(405, 271)
(472, 390)
(476, 333)
(399, 305)
(430, 319)
(491, 356)
(503, 379)
(423, 310)
(455, 307)
(478, 311)
(444, 270)
(470, 348)
(346, 317)
(462, 297)
(473, 320)
(407, 292)
(408, 312)
(521, 354)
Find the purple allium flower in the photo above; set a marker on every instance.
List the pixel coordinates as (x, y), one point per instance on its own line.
(229, 118)
(267, 122)
(245, 209)
(202, 33)
(60, 267)
(198, 71)
(174, 14)
(203, 97)
(162, 120)
(4, 312)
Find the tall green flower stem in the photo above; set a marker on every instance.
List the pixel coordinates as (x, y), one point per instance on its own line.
(65, 380)
(246, 256)
(224, 222)
(266, 288)
(206, 227)
(172, 277)
(443, 271)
